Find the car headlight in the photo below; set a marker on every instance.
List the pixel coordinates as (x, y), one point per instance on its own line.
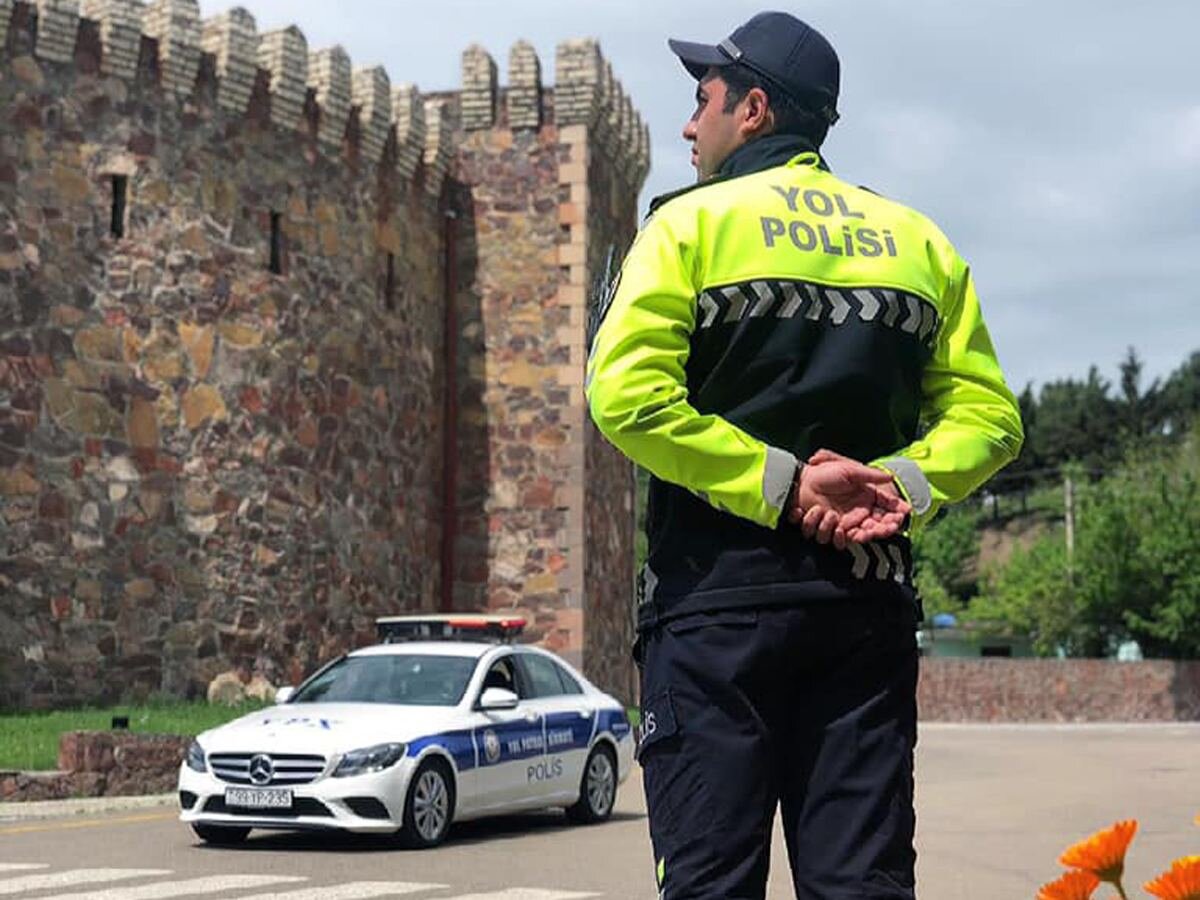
(369, 759)
(195, 757)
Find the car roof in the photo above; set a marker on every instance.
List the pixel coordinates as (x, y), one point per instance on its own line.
(471, 649)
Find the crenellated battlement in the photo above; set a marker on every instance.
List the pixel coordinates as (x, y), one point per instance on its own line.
(585, 92)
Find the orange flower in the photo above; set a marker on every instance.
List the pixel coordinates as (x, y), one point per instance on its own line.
(1102, 854)
(1071, 886)
(1180, 882)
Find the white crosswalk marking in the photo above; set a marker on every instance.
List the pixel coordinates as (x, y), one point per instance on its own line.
(72, 877)
(163, 889)
(350, 891)
(525, 894)
(21, 867)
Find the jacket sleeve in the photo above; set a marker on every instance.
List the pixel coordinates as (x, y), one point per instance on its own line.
(972, 420)
(637, 388)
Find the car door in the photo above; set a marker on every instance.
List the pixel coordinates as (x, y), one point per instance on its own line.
(569, 722)
(507, 741)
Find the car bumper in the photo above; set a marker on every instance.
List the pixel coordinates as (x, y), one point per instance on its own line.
(369, 803)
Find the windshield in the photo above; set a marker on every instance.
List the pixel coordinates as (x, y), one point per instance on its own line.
(418, 680)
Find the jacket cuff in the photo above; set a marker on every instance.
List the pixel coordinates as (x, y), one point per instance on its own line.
(779, 472)
(912, 483)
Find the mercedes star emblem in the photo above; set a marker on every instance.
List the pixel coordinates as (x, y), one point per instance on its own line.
(261, 769)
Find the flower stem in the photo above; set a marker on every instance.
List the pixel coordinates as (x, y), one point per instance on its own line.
(1121, 891)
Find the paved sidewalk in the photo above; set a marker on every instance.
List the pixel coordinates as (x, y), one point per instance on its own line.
(997, 804)
(84, 806)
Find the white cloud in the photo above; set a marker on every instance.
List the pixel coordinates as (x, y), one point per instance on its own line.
(1185, 137)
(914, 140)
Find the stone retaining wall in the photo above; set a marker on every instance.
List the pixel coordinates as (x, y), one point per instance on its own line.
(1050, 690)
(102, 764)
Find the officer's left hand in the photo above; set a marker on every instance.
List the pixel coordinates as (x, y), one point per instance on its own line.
(839, 500)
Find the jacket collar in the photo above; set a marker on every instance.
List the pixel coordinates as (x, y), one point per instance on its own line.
(766, 153)
(763, 153)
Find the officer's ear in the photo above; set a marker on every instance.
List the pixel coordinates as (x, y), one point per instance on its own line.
(755, 115)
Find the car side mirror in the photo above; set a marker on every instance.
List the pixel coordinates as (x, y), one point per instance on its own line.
(284, 694)
(498, 698)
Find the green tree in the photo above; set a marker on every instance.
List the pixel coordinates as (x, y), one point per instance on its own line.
(944, 553)
(1138, 411)
(1180, 396)
(1137, 564)
(1032, 594)
(1077, 421)
(1134, 572)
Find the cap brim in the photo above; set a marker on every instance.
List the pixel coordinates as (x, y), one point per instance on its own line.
(698, 58)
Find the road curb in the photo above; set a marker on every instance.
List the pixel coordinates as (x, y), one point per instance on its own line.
(81, 806)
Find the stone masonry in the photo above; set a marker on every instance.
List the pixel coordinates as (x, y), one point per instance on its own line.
(264, 318)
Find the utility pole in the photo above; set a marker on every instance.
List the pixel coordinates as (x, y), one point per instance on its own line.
(1069, 517)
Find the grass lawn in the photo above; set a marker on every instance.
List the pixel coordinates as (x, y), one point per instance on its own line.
(29, 741)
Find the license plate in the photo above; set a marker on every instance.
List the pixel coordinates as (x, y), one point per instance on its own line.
(259, 798)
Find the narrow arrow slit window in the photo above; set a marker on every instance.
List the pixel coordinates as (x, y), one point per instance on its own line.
(120, 189)
(389, 284)
(276, 263)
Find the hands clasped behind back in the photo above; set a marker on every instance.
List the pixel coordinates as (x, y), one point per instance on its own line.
(841, 501)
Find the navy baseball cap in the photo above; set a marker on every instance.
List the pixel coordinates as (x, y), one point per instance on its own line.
(780, 48)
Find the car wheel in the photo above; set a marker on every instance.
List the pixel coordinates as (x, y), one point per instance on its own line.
(598, 788)
(221, 835)
(429, 807)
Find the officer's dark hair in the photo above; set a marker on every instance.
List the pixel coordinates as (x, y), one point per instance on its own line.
(791, 117)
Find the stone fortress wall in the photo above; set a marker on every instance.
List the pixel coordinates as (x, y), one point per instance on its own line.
(264, 318)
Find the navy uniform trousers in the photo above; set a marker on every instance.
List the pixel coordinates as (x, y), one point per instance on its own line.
(808, 708)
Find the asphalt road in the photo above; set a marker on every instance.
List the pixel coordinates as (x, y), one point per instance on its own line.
(996, 805)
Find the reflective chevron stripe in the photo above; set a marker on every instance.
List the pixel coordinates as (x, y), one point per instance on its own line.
(913, 321)
(929, 322)
(792, 300)
(841, 308)
(898, 561)
(870, 306)
(765, 296)
(861, 560)
(893, 309)
(737, 304)
(881, 562)
(878, 561)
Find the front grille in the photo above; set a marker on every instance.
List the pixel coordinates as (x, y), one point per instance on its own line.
(301, 806)
(287, 768)
(367, 807)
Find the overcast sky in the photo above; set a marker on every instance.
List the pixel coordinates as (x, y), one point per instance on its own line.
(1057, 142)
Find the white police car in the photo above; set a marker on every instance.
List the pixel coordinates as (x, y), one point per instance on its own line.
(439, 724)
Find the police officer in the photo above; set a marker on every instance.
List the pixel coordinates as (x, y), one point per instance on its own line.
(803, 368)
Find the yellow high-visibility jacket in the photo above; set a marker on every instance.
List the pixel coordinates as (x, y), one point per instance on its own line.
(760, 318)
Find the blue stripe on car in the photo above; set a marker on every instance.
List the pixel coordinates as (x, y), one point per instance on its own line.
(568, 731)
(615, 722)
(458, 744)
